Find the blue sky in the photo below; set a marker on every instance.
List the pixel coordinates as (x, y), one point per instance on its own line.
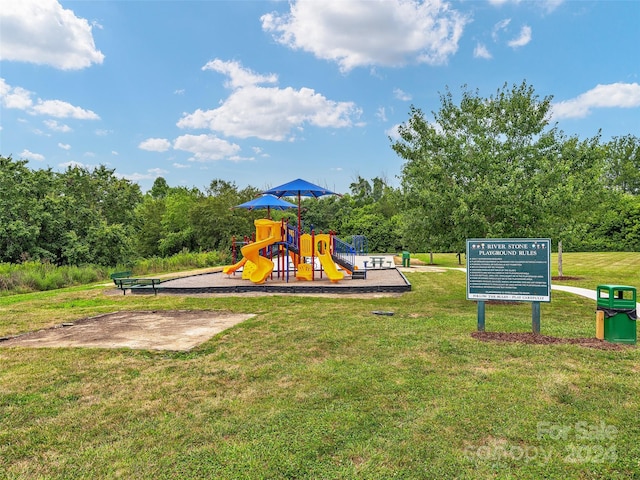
(260, 93)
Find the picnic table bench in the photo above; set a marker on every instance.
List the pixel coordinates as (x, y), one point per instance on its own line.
(126, 282)
(377, 261)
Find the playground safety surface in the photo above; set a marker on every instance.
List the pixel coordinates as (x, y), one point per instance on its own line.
(388, 280)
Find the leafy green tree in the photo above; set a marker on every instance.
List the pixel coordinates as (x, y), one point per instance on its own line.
(49, 216)
(177, 231)
(92, 202)
(614, 226)
(148, 226)
(160, 188)
(214, 219)
(20, 210)
(484, 168)
(371, 210)
(573, 184)
(110, 244)
(623, 164)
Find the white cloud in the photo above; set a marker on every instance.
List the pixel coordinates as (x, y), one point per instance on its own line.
(381, 114)
(43, 32)
(614, 95)
(393, 131)
(72, 164)
(113, 152)
(269, 113)
(238, 75)
(499, 27)
(238, 158)
(20, 98)
(14, 97)
(401, 95)
(366, 32)
(64, 146)
(60, 109)
(522, 39)
(37, 131)
(551, 5)
(155, 145)
(481, 51)
(26, 154)
(57, 127)
(181, 165)
(547, 5)
(260, 152)
(151, 174)
(206, 147)
(102, 132)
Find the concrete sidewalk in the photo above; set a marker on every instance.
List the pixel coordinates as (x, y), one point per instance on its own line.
(584, 292)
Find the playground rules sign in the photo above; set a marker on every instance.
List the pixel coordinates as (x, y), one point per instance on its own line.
(517, 269)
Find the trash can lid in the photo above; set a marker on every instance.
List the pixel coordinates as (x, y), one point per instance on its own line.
(616, 287)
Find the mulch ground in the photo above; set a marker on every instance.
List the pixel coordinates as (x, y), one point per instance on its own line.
(533, 339)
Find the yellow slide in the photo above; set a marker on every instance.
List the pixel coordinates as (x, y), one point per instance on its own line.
(264, 266)
(232, 268)
(327, 262)
(256, 267)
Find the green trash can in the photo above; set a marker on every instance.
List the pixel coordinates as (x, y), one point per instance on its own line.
(618, 302)
(406, 259)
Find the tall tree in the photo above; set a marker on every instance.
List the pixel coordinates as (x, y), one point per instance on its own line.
(483, 168)
(20, 210)
(623, 164)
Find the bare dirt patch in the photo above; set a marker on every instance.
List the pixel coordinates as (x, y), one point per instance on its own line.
(533, 339)
(178, 330)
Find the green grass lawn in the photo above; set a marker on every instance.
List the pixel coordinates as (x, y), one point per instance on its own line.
(322, 388)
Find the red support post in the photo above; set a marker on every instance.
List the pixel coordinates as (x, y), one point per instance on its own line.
(313, 256)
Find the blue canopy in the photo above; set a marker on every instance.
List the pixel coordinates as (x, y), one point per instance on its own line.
(266, 202)
(299, 188)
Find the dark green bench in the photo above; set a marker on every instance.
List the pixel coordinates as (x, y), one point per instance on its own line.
(124, 283)
(117, 275)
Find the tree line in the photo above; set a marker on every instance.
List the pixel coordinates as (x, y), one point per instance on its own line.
(481, 167)
(497, 167)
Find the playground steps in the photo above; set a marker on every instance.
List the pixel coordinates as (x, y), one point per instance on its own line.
(343, 263)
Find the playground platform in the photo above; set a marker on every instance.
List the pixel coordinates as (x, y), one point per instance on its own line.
(382, 280)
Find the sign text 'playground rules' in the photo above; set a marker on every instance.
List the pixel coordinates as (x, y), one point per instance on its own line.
(517, 269)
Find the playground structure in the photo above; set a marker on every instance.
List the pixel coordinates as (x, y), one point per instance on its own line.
(277, 243)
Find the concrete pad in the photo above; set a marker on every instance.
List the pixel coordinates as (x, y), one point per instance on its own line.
(160, 330)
